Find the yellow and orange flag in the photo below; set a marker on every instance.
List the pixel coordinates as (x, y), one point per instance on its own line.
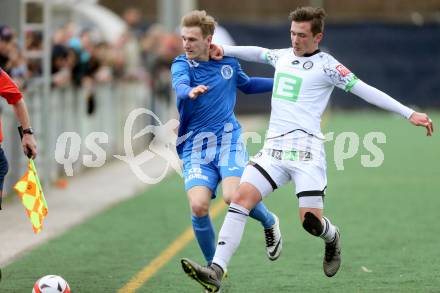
(31, 193)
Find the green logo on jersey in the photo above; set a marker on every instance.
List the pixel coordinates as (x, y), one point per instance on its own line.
(287, 87)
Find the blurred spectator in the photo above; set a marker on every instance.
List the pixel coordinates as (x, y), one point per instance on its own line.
(101, 53)
(34, 47)
(80, 57)
(34, 41)
(133, 17)
(61, 71)
(6, 46)
(129, 47)
(169, 48)
(17, 67)
(158, 51)
(84, 66)
(11, 59)
(150, 43)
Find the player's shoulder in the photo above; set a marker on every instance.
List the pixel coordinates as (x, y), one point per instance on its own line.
(331, 64)
(180, 58)
(229, 60)
(181, 62)
(326, 57)
(225, 61)
(323, 60)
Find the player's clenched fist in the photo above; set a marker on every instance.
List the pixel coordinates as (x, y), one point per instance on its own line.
(216, 52)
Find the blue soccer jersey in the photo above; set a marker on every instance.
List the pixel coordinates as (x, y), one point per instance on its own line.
(210, 111)
(210, 119)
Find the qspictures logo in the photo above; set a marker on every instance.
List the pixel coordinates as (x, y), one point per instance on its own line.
(204, 148)
(68, 146)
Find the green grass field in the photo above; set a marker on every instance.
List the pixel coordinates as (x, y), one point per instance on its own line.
(388, 218)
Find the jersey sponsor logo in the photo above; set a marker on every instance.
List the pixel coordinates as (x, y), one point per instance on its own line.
(195, 173)
(196, 176)
(287, 87)
(343, 70)
(295, 62)
(308, 65)
(227, 71)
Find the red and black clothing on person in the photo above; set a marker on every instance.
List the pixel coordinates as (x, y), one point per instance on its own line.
(9, 91)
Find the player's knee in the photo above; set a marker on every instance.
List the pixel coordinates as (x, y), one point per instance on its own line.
(228, 196)
(246, 197)
(312, 224)
(199, 209)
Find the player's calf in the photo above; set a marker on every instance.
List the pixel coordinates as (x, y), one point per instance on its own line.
(312, 224)
(330, 234)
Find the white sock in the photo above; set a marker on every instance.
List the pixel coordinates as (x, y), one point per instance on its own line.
(329, 230)
(230, 234)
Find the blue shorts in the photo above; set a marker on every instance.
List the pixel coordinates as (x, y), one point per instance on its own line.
(208, 165)
(3, 168)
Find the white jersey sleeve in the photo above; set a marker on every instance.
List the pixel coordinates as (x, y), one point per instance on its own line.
(339, 75)
(255, 54)
(246, 53)
(376, 97)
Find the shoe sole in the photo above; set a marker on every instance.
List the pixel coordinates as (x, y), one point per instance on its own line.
(189, 270)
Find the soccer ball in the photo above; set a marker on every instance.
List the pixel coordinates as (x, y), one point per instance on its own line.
(51, 284)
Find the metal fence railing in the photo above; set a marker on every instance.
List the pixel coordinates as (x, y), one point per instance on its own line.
(103, 108)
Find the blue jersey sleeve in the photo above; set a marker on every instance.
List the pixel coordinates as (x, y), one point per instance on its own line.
(180, 78)
(252, 85)
(257, 85)
(242, 77)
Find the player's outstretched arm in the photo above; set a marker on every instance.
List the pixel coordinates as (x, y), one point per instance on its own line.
(257, 85)
(247, 53)
(384, 101)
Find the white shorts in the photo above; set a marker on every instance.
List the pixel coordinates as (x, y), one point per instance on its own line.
(270, 169)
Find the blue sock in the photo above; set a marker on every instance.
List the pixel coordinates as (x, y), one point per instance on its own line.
(262, 214)
(205, 235)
